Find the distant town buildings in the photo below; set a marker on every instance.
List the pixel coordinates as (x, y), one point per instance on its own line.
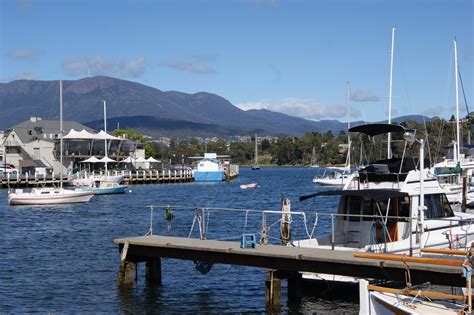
(33, 145)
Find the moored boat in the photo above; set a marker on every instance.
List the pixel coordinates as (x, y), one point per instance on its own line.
(391, 206)
(209, 168)
(48, 196)
(332, 177)
(248, 186)
(102, 187)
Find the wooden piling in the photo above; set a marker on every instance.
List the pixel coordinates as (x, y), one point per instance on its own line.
(126, 273)
(153, 271)
(295, 287)
(272, 291)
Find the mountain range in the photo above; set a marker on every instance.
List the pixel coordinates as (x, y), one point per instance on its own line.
(147, 109)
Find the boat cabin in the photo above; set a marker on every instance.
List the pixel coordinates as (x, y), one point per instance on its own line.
(379, 216)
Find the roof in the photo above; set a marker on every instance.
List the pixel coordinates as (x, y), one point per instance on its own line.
(377, 129)
(85, 135)
(31, 163)
(378, 194)
(37, 128)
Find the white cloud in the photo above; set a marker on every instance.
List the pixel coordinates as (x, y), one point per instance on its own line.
(133, 68)
(308, 109)
(22, 53)
(99, 65)
(193, 67)
(26, 76)
(364, 96)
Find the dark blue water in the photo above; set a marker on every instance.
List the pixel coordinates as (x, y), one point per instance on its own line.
(61, 258)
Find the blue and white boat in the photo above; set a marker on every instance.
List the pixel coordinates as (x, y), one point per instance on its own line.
(101, 187)
(209, 168)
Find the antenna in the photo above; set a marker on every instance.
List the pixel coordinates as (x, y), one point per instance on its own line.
(61, 133)
(105, 129)
(458, 140)
(348, 127)
(389, 149)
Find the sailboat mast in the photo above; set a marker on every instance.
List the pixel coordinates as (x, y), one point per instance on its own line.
(348, 127)
(105, 129)
(389, 139)
(61, 133)
(458, 137)
(256, 151)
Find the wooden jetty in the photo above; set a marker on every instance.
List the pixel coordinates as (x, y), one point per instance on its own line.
(281, 261)
(138, 177)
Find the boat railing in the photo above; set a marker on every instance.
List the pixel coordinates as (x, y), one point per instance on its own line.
(365, 182)
(313, 223)
(137, 173)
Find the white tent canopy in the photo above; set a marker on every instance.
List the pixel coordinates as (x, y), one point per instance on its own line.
(92, 159)
(83, 134)
(106, 159)
(152, 160)
(86, 135)
(103, 135)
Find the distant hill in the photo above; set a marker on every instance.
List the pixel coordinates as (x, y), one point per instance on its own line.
(158, 127)
(144, 108)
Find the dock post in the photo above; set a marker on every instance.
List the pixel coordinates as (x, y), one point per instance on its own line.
(272, 291)
(295, 287)
(153, 271)
(126, 272)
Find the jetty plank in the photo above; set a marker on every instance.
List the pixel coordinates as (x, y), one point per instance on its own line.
(286, 258)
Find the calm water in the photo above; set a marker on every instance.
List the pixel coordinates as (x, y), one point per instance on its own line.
(61, 258)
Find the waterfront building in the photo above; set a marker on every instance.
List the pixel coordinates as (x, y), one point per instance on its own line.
(33, 146)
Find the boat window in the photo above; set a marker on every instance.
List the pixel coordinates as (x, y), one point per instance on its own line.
(404, 207)
(437, 206)
(354, 207)
(368, 208)
(44, 192)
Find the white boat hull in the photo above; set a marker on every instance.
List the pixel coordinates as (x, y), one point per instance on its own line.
(381, 303)
(248, 186)
(48, 197)
(330, 182)
(91, 179)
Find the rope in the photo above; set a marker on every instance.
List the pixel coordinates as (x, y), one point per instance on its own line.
(314, 226)
(192, 226)
(246, 219)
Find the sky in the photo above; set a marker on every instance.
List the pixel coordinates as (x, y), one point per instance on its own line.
(294, 57)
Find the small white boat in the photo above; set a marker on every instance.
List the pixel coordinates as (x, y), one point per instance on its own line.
(376, 300)
(48, 196)
(334, 178)
(105, 188)
(248, 186)
(84, 179)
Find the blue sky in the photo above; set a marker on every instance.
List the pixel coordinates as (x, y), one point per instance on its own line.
(288, 56)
